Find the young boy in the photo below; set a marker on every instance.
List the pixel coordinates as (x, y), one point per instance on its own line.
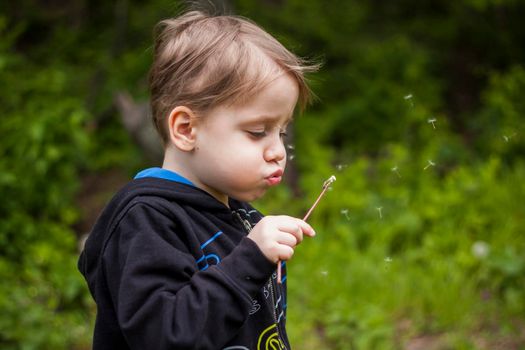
(178, 259)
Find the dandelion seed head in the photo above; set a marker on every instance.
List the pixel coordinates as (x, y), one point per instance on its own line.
(330, 181)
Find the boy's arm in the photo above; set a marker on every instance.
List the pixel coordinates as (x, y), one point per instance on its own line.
(160, 297)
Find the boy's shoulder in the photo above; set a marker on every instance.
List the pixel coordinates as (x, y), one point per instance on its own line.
(161, 194)
(170, 198)
(147, 201)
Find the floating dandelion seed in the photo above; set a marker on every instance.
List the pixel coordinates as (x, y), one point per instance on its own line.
(291, 147)
(340, 167)
(345, 213)
(379, 210)
(324, 273)
(396, 170)
(480, 249)
(507, 138)
(432, 121)
(430, 163)
(387, 261)
(291, 157)
(409, 99)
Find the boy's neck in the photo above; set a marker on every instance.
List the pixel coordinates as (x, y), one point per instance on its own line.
(174, 161)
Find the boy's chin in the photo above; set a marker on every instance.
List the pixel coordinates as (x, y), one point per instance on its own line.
(248, 197)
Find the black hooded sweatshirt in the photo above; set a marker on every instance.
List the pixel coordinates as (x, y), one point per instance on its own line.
(170, 267)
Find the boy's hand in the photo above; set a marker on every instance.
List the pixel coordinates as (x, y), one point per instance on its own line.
(277, 236)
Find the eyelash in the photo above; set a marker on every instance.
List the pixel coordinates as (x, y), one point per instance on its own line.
(257, 134)
(261, 134)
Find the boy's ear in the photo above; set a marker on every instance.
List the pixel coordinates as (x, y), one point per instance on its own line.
(182, 128)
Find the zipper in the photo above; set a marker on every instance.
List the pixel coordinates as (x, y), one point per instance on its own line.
(247, 226)
(274, 306)
(245, 223)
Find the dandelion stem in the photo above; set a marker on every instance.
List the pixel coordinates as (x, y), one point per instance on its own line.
(326, 184)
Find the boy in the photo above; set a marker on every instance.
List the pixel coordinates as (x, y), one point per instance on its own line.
(178, 259)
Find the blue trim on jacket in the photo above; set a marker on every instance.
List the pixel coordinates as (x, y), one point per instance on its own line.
(163, 174)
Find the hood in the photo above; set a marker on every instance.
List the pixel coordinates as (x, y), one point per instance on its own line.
(182, 194)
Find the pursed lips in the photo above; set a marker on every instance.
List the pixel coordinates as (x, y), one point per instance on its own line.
(275, 177)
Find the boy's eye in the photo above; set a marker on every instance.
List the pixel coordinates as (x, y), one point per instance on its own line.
(257, 134)
(264, 133)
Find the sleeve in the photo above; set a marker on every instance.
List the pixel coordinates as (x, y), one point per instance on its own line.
(162, 300)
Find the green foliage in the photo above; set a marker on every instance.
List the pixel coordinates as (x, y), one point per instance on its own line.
(43, 143)
(419, 118)
(440, 257)
(503, 110)
(420, 236)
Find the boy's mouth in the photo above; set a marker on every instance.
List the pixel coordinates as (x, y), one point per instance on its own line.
(274, 178)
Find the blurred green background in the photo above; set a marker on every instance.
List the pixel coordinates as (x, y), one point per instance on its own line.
(420, 116)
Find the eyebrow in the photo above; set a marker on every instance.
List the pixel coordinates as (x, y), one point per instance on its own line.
(268, 119)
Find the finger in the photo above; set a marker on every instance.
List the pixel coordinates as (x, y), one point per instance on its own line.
(292, 228)
(287, 239)
(285, 252)
(297, 227)
(306, 228)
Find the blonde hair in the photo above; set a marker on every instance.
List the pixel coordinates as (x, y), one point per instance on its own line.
(202, 61)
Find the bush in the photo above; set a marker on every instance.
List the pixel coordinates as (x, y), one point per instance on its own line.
(44, 142)
(405, 253)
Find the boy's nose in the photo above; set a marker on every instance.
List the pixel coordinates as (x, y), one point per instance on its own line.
(275, 151)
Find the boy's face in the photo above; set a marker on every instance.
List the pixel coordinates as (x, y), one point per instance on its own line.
(240, 151)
